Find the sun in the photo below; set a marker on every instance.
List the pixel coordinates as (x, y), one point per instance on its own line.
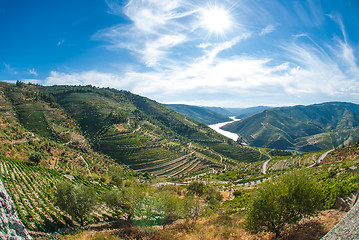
(215, 19)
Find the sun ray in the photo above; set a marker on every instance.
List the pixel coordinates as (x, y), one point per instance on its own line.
(215, 19)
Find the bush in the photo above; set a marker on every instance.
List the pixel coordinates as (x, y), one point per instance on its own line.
(35, 157)
(125, 199)
(285, 200)
(197, 187)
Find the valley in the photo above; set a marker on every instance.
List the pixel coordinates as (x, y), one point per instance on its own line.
(126, 150)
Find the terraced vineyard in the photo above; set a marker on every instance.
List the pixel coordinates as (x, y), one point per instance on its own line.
(130, 129)
(242, 154)
(31, 189)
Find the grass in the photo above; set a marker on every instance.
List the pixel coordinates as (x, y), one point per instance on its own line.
(221, 227)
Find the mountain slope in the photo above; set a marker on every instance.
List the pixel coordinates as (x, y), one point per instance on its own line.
(201, 114)
(303, 128)
(212, 115)
(128, 128)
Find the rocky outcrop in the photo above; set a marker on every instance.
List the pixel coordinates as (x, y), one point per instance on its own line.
(11, 228)
(347, 228)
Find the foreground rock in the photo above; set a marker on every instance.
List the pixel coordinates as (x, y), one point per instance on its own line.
(347, 228)
(11, 227)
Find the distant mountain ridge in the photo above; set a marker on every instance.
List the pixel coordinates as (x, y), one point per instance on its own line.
(212, 115)
(302, 128)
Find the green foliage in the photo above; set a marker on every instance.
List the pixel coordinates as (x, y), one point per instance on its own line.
(237, 193)
(35, 157)
(76, 200)
(213, 196)
(338, 185)
(192, 208)
(125, 199)
(285, 200)
(149, 212)
(173, 206)
(197, 187)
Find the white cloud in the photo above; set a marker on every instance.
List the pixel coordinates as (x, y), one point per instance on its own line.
(84, 78)
(154, 30)
(156, 50)
(308, 71)
(215, 70)
(268, 29)
(33, 72)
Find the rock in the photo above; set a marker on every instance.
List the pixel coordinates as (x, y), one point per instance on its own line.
(341, 205)
(10, 225)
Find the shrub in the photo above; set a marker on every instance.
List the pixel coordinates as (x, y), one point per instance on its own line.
(197, 187)
(35, 157)
(285, 200)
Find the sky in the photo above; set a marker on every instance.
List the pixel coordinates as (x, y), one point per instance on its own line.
(224, 53)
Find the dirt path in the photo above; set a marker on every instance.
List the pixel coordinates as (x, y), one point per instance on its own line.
(88, 167)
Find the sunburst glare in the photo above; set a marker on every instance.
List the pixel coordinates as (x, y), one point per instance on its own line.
(216, 20)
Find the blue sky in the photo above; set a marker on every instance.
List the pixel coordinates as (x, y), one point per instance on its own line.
(228, 53)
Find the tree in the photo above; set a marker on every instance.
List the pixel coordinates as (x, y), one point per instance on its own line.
(173, 207)
(149, 212)
(197, 187)
(285, 200)
(213, 196)
(129, 198)
(192, 208)
(112, 198)
(35, 157)
(125, 199)
(77, 200)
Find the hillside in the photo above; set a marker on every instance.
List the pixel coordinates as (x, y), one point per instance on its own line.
(212, 115)
(201, 114)
(302, 128)
(83, 133)
(128, 128)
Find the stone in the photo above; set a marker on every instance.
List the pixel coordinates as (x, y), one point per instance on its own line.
(10, 225)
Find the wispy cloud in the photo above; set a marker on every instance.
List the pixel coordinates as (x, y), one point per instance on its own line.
(268, 29)
(60, 42)
(154, 30)
(9, 69)
(33, 72)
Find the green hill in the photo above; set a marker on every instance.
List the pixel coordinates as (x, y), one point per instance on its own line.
(128, 128)
(302, 128)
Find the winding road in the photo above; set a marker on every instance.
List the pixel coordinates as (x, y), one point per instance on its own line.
(320, 159)
(264, 169)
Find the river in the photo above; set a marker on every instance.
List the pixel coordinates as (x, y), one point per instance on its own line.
(217, 127)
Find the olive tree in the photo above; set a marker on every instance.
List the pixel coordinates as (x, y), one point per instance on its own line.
(285, 200)
(173, 207)
(125, 199)
(75, 199)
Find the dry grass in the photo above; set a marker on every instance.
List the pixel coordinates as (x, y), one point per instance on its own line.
(121, 128)
(218, 228)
